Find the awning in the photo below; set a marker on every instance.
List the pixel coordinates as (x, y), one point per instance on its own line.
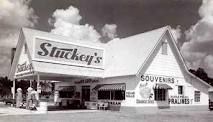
(210, 89)
(106, 87)
(162, 86)
(67, 88)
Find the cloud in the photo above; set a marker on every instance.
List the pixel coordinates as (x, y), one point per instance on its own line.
(66, 23)
(197, 50)
(14, 14)
(110, 31)
(177, 33)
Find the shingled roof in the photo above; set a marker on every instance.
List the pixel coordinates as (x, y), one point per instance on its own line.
(125, 56)
(122, 57)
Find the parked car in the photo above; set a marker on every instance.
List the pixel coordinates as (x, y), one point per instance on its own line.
(9, 101)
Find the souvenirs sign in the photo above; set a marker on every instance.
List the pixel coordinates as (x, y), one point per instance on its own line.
(66, 53)
(158, 79)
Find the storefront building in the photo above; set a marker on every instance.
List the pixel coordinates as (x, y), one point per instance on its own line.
(138, 72)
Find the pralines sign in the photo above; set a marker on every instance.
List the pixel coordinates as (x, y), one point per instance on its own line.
(64, 53)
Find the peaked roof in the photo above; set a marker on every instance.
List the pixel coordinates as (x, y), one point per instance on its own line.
(125, 56)
(122, 57)
(27, 36)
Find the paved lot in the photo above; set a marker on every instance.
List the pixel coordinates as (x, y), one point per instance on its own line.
(9, 114)
(108, 116)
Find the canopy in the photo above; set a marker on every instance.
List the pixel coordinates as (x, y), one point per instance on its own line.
(162, 86)
(210, 89)
(106, 87)
(67, 88)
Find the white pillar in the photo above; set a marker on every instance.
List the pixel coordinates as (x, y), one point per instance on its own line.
(14, 90)
(38, 84)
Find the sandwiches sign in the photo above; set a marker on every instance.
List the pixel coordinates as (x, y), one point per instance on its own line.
(70, 54)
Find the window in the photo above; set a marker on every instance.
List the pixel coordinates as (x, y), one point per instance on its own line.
(197, 96)
(117, 95)
(105, 95)
(180, 90)
(66, 94)
(160, 94)
(164, 48)
(67, 91)
(111, 95)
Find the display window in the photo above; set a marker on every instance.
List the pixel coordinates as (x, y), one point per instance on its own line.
(111, 95)
(180, 90)
(160, 94)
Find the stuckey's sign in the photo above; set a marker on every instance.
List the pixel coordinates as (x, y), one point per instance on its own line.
(63, 53)
(24, 69)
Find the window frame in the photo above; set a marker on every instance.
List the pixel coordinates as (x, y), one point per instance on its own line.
(180, 92)
(112, 95)
(160, 94)
(197, 96)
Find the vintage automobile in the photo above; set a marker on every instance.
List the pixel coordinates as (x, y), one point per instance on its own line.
(210, 99)
(9, 101)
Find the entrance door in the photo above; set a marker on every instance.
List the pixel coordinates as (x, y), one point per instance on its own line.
(85, 93)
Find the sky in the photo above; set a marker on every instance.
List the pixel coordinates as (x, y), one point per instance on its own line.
(102, 20)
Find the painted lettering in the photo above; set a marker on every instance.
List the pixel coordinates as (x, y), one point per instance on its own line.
(69, 54)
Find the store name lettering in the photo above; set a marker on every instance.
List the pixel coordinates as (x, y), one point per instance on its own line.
(180, 100)
(69, 54)
(86, 81)
(24, 67)
(157, 79)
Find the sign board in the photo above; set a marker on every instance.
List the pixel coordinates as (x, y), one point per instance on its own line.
(24, 66)
(158, 79)
(180, 99)
(66, 53)
(146, 95)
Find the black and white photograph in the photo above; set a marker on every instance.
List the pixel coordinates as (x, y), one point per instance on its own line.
(106, 60)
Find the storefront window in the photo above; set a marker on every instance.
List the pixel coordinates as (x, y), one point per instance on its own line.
(197, 96)
(160, 94)
(67, 92)
(111, 95)
(104, 95)
(180, 90)
(117, 95)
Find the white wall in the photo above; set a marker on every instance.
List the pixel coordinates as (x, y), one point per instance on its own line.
(167, 66)
(164, 66)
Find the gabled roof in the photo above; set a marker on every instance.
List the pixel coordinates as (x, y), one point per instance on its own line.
(27, 36)
(30, 35)
(125, 56)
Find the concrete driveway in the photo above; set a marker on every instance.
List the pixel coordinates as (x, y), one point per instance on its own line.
(110, 116)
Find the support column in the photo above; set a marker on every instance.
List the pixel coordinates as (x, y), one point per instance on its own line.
(14, 90)
(31, 83)
(38, 85)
